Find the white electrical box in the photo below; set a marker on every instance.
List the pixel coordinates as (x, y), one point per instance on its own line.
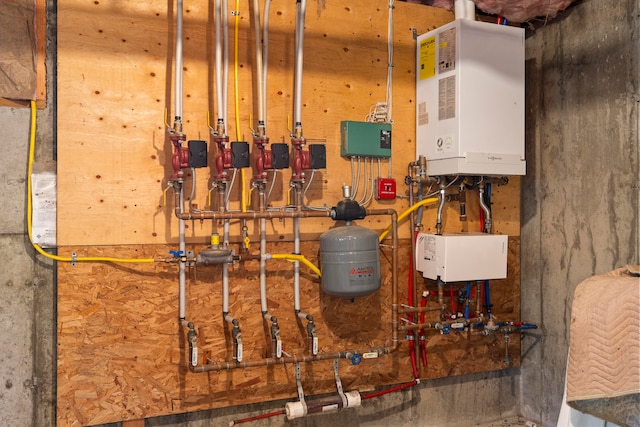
(470, 99)
(456, 257)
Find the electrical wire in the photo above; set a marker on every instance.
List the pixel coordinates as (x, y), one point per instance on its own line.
(273, 181)
(355, 185)
(32, 143)
(366, 184)
(390, 62)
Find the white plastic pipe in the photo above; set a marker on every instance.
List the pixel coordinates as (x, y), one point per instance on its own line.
(225, 270)
(263, 266)
(219, 76)
(182, 272)
(259, 66)
(465, 9)
(178, 68)
(225, 71)
(265, 56)
(296, 264)
(299, 59)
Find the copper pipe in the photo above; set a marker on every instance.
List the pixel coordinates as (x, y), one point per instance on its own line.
(179, 212)
(443, 322)
(271, 361)
(407, 310)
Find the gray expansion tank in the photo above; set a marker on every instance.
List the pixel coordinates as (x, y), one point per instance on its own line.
(350, 261)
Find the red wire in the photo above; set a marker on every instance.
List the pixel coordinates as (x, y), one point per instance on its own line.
(258, 417)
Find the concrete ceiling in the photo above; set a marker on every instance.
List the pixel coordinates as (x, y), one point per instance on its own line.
(513, 10)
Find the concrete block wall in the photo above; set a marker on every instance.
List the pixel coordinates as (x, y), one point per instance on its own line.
(580, 214)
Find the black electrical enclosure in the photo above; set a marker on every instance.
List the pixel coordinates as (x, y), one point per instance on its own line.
(197, 153)
(318, 154)
(240, 156)
(280, 155)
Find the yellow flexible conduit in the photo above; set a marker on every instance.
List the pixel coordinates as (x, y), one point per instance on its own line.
(404, 214)
(236, 102)
(32, 142)
(301, 258)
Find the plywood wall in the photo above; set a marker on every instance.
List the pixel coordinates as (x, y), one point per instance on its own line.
(115, 78)
(121, 352)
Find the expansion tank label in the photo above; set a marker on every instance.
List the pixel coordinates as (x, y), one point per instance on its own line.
(447, 50)
(428, 58)
(447, 98)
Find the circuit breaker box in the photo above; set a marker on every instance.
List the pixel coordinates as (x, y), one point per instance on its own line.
(456, 257)
(470, 99)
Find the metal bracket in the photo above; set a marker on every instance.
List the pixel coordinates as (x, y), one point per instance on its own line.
(345, 403)
(300, 390)
(74, 259)
(414, 33)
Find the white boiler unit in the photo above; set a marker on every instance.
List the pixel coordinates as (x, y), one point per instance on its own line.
(470, 99)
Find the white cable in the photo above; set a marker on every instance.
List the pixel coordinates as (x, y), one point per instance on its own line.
(228, 193)
(365, 186)
(390, 62)
(368, 200)
(273, 181)
(357, 183)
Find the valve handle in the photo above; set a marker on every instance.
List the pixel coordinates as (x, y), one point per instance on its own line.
(356, 359)
(176, 254)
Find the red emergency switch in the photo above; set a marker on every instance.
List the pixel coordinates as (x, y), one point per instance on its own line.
(386, 189)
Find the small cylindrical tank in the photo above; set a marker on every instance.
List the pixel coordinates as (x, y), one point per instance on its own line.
(350, 261)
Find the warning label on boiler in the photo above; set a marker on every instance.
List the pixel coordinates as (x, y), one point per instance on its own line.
(447, 50)
(447, 98)
(428, 58)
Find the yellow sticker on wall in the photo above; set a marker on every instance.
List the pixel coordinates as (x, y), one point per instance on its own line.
(428, 58)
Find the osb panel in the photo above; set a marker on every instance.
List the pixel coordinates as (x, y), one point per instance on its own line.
(122, 354)
(115, 77)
